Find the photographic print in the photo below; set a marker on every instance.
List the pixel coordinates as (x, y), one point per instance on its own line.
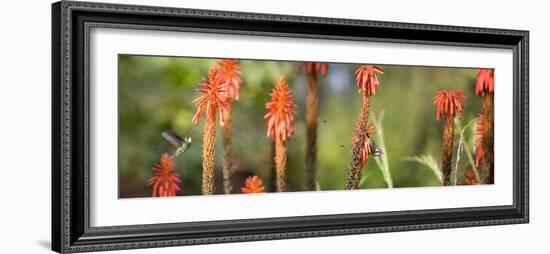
(203, 126)
(276, 126)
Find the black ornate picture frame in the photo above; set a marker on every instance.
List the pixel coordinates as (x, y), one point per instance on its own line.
(71, 231)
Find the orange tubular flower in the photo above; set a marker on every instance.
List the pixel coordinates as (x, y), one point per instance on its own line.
(449, 103)
(253, 184)
(280, 126)
(485, 86)
(214, 97)
(367, 81)
(165, 182)
(485, 82)
(231, 74)
(479, 133)
(281, 112)
(367, 84)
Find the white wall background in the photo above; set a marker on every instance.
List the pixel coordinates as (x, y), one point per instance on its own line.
(25, 125)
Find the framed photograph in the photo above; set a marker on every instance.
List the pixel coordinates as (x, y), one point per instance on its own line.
(181, 126)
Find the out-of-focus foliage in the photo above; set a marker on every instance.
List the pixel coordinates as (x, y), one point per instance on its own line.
(156, 93)
(429, 162)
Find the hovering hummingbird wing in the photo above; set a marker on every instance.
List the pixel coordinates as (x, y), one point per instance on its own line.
(172, 138)
(376, 151)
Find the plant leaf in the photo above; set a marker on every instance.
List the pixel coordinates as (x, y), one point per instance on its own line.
(428, 161)
(382, 160)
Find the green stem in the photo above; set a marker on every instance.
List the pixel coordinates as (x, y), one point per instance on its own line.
(382, 161)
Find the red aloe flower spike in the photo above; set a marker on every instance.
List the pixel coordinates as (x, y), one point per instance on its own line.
(449, 103)
(485, 86)
(280, 126)
(485, 82)
(165, 181)
(281, 112)
(214, 98)
(253, 184)
(367, 81)
(231, 74)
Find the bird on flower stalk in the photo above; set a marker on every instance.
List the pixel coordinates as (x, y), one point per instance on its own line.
(212, 101)
(368, 147)
(449, 104)
(231, 75)
(165, 181)
(280, 126)
(253, 184)
(312, 118)
(485, 87)
(362, 145)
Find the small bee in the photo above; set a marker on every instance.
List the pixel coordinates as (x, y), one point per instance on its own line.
(181, 144)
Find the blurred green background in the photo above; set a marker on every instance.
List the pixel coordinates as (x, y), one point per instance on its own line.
(155, 93)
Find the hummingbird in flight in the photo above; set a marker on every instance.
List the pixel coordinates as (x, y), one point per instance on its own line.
(181, 144)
